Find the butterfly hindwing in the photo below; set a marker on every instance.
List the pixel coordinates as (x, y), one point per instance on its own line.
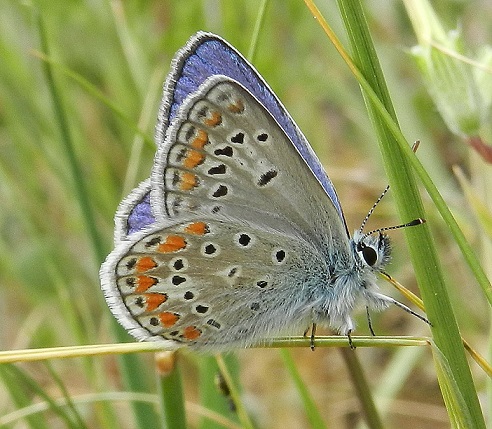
(212, 283)
(134, 212)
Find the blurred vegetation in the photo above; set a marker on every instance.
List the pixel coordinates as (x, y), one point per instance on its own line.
(50, 258)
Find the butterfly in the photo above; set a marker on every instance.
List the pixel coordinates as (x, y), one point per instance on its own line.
(238, 235)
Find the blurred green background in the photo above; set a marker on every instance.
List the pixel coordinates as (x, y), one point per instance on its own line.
(49, 265)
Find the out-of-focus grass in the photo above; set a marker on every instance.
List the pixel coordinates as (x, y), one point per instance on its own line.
(49, 268)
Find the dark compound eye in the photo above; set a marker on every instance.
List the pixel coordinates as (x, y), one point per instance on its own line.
(369, 255)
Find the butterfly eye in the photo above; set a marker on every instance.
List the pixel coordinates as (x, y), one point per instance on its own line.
(369, 255)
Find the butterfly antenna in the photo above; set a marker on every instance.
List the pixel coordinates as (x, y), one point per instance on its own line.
(415, 222)
(372, 209)
(415, 146)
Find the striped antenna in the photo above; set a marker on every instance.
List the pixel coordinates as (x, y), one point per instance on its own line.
(414, 222)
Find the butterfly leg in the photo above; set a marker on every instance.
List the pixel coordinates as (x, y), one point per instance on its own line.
(313, 333)
(351, 344)
(369, 321)
(402, 306)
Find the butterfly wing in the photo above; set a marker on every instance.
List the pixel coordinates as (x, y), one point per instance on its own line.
(226, 153)
(134, 213)
(233, 236)
(206, 55)
(244, 234)
(212, 283)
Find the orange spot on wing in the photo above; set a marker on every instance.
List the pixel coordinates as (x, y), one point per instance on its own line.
(168, 319)
(237, 107)
(144, 264)
(200, 140)
(173, 243)
(153, 300)
(191, 332)
(198, 228)
(144, 282)
(214, 120)
(193, 158)
(188, 181)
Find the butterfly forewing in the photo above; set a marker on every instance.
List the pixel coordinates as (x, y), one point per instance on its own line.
(206, 55)
(227, 154)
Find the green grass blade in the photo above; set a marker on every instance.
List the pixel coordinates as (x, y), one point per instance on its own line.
(211, 397)
(260, 20)
(427, 268)
(451, 393)
(229, 373)
(170, 391)
(134, 378)
(144, 413)
(32, 386)
(312, 412)
(362, 389)
(79, 183)
(98, 95)
(19, 395)
(77, 418)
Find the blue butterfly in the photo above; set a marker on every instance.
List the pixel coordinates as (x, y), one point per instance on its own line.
(238, 236)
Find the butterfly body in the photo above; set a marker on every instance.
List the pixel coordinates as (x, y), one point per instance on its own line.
(238, 236)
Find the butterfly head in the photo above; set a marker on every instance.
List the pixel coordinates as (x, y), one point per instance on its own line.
(373, 250)
(374, 247)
